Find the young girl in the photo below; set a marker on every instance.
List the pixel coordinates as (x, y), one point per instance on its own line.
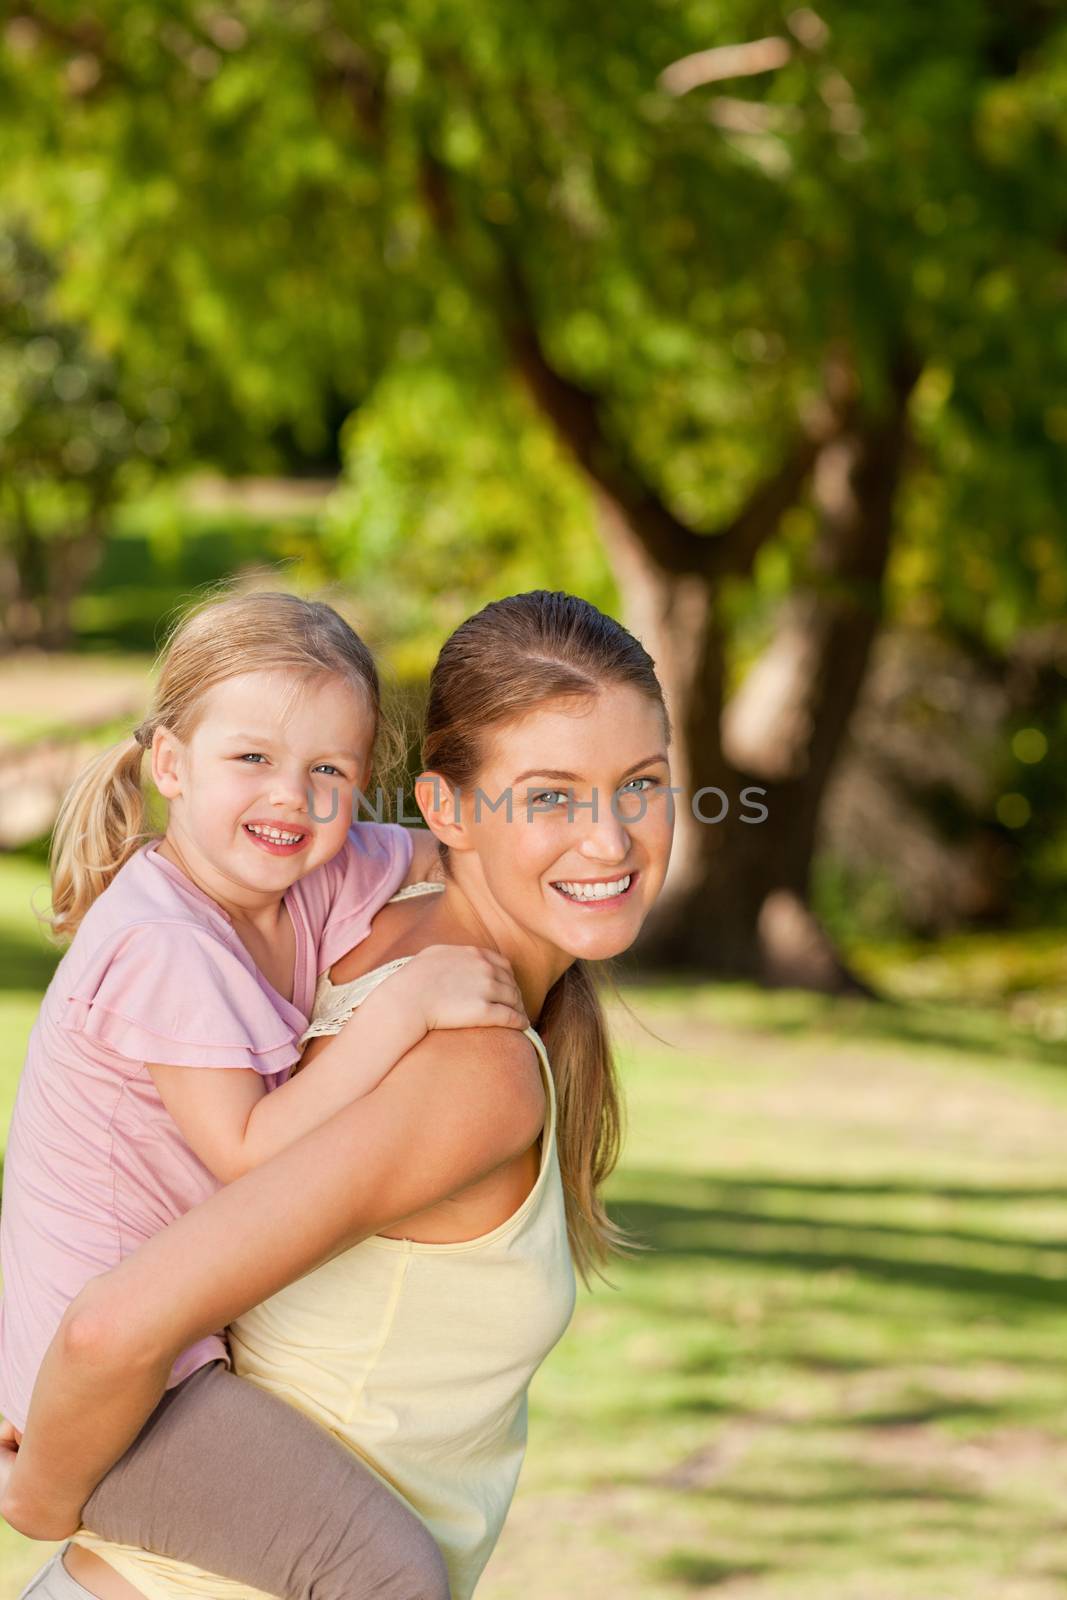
(202, 950)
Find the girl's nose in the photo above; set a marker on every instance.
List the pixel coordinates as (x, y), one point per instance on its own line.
(288, 789)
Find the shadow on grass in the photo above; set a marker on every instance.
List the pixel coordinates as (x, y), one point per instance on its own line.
(27, 962)
(976, 1032)
(692, 1569)
(1020, 1193)
(927, 1414)
(722, 1220)
(922, 1494)
(949, 1024)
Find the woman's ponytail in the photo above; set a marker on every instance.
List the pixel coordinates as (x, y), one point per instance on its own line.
(99, 827)
(589, 1113)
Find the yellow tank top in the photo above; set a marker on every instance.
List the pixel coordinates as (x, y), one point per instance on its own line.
(416, 1356)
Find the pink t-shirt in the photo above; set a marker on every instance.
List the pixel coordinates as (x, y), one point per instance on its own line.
(156, 972)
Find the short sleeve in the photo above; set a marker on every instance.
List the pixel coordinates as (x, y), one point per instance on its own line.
(178, 994)
(364, 874)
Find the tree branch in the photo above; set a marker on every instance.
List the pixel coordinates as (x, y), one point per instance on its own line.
(576, 415)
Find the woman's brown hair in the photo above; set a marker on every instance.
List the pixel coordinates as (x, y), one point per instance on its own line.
(101, 822)
(516, 656)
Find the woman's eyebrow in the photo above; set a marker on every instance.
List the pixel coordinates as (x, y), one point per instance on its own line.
(572, 777)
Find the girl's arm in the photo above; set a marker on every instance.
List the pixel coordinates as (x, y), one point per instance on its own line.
(425, 859)
(233, 1124)
(458, 1106)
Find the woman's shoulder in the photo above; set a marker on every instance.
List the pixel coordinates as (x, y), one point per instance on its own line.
(494, 1074)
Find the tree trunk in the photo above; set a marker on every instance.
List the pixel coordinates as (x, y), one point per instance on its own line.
(736, 898)
(71, 563)
(42, 576)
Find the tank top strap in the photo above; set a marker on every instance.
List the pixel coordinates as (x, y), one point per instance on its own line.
(412, 889)
(550, 1082)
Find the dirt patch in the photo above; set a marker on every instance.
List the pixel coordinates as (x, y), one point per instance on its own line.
(51, 711)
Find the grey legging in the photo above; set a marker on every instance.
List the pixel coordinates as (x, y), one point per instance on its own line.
(238, 1482)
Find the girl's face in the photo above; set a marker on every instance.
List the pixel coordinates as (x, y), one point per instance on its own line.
(584, 853)
(261, 751)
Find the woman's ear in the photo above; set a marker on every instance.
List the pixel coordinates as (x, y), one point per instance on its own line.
(442, 809)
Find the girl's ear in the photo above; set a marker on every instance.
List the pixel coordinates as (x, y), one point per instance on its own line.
(165, 763)
(442, 809)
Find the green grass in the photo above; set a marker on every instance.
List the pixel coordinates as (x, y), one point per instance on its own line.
(26, 965)
(836, 1373)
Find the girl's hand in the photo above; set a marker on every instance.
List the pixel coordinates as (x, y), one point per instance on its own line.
(10, 1438)
(460, 986)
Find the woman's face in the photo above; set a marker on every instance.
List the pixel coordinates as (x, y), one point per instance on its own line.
(580, 855)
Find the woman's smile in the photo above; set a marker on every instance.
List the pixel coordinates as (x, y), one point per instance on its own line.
(597, 894)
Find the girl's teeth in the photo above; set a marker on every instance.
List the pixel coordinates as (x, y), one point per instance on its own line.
(274, 834)
(595, 891)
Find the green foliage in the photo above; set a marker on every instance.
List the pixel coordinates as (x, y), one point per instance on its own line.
(161, 549)
(267, 209)
(458, 493)
(267, 218)
(63, 424)
(73, 439)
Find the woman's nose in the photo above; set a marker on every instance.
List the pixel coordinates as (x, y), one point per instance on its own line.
(607, 838)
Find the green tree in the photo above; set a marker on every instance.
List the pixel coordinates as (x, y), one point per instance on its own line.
(785, 287)
(69, 439)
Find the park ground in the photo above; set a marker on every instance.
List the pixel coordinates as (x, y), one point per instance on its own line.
(837, 1372)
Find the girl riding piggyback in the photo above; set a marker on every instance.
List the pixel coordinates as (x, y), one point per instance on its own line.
(160, 1066)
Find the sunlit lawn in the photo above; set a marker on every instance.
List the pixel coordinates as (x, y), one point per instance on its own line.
(838, 1372)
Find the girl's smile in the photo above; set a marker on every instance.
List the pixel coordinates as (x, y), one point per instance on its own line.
(276, 839)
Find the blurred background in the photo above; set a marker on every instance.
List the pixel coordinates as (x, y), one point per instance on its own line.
(749, 323)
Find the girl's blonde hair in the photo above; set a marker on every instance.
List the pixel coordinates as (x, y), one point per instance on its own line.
(101, 822)
(513, 657)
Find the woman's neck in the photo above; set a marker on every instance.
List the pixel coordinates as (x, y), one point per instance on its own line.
(466, 908)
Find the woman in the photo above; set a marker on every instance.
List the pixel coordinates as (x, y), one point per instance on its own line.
(436, 1209)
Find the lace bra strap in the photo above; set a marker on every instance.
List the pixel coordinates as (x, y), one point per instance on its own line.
(416, 888)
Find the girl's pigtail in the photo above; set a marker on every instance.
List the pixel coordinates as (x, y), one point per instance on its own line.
(99, 827)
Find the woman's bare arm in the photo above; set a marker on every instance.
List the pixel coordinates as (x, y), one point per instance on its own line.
(455, 1108)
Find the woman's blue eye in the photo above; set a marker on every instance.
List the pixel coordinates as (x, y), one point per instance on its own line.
(548, 798)
(652, 781)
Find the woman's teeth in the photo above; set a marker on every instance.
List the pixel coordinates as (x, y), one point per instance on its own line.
(274, 834)
(594, 891)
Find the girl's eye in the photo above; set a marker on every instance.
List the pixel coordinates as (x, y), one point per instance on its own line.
(652, 782)
(324, 766)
